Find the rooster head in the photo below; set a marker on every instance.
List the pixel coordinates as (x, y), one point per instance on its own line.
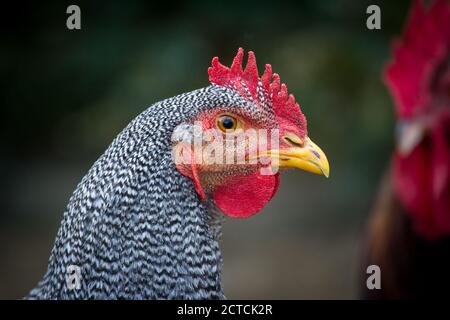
(419, 80)
(233, 150)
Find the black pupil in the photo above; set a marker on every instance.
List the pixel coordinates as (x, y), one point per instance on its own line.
(228, 123)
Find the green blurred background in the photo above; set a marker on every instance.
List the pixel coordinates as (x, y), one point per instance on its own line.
(66, 94)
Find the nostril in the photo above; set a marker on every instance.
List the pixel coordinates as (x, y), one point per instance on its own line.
(316, 154)
(293, 140)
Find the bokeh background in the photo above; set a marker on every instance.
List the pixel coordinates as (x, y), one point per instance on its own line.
(66, 94)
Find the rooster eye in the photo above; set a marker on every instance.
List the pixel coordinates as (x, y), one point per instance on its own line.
(227, 123)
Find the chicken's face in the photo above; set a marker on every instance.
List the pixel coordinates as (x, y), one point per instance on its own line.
(419, 78)
(233, 150)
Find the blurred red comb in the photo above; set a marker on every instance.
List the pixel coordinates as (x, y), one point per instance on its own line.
(417, 56)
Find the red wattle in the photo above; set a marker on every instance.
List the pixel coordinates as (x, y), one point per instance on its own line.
(412, 185)
(244, 196)
(441, 177)
(422, 184)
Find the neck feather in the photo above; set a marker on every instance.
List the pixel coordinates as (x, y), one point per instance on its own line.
(135, 226)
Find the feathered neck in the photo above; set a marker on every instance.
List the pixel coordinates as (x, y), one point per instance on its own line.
(135, 225)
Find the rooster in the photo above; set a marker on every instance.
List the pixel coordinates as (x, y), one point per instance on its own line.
(144, 223)
(409, 230)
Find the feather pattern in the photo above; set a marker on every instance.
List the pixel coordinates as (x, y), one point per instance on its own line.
(135, 225)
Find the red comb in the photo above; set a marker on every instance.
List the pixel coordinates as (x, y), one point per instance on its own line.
(416, 57)
(248, 83)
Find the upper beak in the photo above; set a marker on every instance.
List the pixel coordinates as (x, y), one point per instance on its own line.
(304, 155)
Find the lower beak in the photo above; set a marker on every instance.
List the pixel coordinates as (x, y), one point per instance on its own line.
(308, 157)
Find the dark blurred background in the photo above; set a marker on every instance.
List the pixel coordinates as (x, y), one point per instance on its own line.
(66, 94)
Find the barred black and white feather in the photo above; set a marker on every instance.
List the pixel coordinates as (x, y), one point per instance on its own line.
(134, 224)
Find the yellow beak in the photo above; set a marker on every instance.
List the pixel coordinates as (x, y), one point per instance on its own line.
(306, 156)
